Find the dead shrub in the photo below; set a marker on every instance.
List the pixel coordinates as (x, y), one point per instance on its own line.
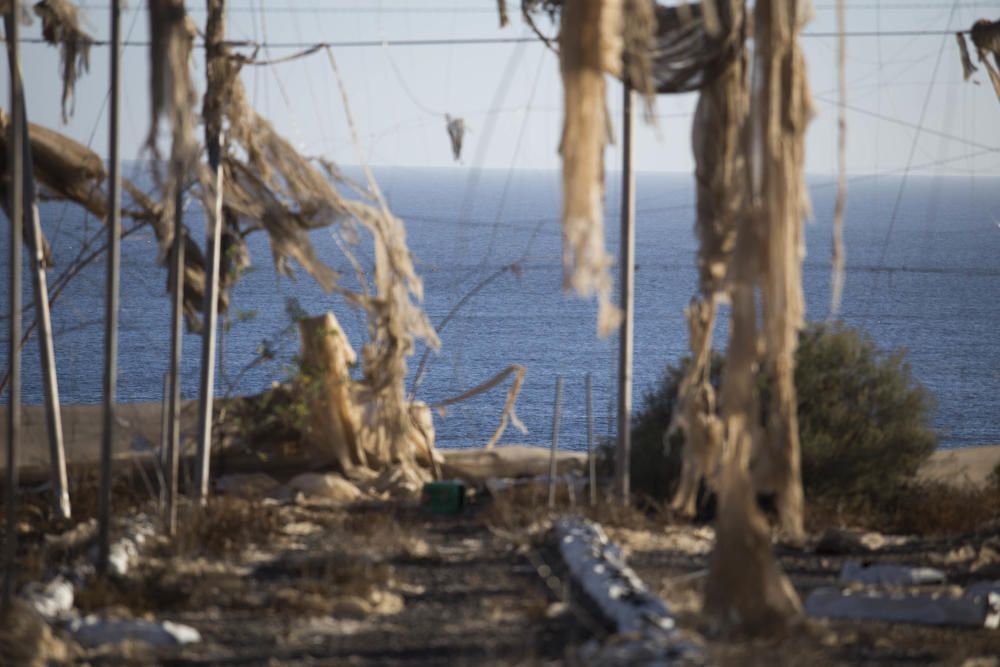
(224, 526)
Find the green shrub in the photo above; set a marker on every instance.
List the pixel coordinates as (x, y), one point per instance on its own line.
(864, 422)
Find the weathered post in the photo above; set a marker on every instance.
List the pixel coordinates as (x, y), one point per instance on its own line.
(555, 442)
(111, 299)
(591, 459)
(626, 269)
(16, 191)
(176, 339)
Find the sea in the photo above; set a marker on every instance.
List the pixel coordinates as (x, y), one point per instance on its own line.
(923, 273)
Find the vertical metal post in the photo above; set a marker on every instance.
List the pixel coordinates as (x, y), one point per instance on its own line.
(214, 34)
(176, 339)
(114, 225)
(591, 459)
(16, 190)
(555, 442)
(626, 268)
(209, 328)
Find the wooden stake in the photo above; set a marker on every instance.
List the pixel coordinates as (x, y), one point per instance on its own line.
(591, 459)
(111, 296)
(555, 442)
(626, 268)
(176, 340)
(16, 191)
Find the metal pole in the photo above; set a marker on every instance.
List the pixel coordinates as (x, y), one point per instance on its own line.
(14, 157)
(46, 347)
(210, 325)
(591, 460)
(177, 334)
(214, 35)
(40, 290)
(165, 419)
(111, 300)
(626, 268)
(555, 443)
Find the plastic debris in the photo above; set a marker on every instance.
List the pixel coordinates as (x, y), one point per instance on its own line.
(92, 631)
(978, 607)
(889, 574)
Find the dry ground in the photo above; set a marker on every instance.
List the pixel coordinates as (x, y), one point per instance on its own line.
(387, 583)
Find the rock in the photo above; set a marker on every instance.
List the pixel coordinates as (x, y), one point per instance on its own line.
(982, 661)
(301, 528)
(92, 631)
(385, 603)
(889, 575)
(400, 481)
(53, 600)
(247, 486)
(988, 556)
(75, 538)
(351, 607)
(329, 486)
(962, 554)
(26, 639)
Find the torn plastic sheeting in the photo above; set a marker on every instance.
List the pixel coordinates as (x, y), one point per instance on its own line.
(92, 631)
(598, 565)
(889, 575)
(979, 607)
(52, 600)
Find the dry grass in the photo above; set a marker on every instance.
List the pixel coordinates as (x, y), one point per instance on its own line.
(224, 526)
(922, 508)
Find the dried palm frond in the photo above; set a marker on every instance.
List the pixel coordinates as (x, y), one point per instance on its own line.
(61, 26)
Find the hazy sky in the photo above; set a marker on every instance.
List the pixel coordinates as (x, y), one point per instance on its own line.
(399, 95)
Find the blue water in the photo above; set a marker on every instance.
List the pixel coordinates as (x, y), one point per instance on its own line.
(930, 283)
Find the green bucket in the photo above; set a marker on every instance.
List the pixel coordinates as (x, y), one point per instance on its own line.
(444, 497)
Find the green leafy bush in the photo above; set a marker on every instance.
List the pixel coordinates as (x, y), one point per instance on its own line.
(864, 421)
